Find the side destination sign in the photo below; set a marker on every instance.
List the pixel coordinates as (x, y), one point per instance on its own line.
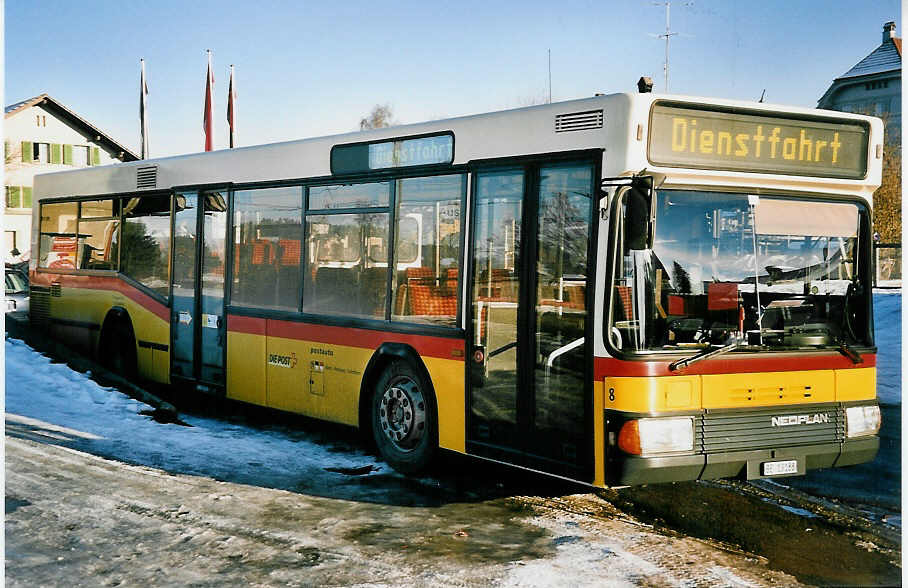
(360, 157)
(751, 141)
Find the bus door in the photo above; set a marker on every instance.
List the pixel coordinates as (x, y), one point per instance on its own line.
(198, 333)
(530, 399)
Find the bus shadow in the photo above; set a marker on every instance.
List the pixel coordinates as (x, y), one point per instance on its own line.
(454, 478)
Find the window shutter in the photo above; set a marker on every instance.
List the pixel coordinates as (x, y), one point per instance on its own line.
(26, 196)
(95, 156)
(27, 155)
(56, 155)
(14, 196)
(67, 154)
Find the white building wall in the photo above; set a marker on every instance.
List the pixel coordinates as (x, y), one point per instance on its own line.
(37, 124)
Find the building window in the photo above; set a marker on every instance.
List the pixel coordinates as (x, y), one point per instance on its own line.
(40, 120)
(80, 156)
(876, 85)
(18, 196)
(41, 152)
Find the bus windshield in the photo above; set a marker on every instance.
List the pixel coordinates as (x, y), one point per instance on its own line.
(764, 272)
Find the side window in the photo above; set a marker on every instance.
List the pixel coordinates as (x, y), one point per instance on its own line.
(99, 224)
(145, 242)
(267, 234)
(427, 249)
(347, 252)
(347, 264)
(57, 245)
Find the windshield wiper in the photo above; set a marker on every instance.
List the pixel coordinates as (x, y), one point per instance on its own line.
(707, 353)
(850, 353)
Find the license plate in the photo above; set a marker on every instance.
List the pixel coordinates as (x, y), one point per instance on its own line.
(775, 468)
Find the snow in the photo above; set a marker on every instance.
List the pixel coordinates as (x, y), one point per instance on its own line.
(70, 408)
(888, 334)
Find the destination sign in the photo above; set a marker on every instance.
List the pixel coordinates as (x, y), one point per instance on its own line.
(438, 149)
(685, 136)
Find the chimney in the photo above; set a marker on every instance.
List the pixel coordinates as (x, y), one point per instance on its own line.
(888, 31)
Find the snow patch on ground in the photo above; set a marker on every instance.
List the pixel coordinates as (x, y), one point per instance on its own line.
(590, 557)
(50, 398)
(887, 321)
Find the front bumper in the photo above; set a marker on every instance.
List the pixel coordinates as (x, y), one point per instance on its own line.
(630, 470)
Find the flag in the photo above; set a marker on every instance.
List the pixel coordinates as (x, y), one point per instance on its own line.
(231, 110)
(143, 111)
(208, 120)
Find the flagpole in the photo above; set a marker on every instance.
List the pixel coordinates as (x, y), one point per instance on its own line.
(207, 120)
(143, 112)
(231, 110)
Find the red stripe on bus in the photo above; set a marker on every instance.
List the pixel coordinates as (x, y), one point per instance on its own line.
(103, 283)
(611, 367)
(246, 324)
(427, 345)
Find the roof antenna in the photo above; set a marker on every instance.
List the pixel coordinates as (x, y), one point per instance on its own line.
(763, 95)
(668, 34)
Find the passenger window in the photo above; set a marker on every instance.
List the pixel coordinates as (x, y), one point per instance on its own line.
(267, 234)
(145, 242)
(349, 196)
(427, 253)
(57, 241)
(346, 264)
(98, 244)
(99, 209)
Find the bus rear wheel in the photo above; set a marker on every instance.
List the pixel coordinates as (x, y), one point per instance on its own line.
(118, 349)
(404, 421)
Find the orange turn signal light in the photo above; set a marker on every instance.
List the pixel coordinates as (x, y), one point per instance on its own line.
(629, 438)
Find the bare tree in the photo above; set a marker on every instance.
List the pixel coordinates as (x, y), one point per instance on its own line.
(381, 116)
(887, 201)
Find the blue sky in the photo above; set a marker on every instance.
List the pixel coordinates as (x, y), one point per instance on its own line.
(314, 68)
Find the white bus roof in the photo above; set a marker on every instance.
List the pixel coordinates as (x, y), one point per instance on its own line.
(621, 131)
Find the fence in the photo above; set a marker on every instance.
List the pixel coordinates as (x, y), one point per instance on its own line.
(887, 265)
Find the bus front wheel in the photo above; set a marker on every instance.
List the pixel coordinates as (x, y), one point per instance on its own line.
(404, 421)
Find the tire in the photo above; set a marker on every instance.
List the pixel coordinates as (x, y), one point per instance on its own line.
(404, 419)
(119, 350)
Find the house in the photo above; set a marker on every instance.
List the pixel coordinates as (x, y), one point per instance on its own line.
(42, 135)
(873, 86)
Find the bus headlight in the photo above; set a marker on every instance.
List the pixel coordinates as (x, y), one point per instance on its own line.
(657, 435)
(862, 420)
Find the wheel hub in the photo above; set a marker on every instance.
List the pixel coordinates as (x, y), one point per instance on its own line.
(402, 413)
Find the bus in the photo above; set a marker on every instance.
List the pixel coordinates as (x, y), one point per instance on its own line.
(618, 290)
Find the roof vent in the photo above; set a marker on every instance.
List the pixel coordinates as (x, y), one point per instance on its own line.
(578, 121)
(147, 177)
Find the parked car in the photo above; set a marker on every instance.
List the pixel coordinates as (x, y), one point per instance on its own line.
(16, 290)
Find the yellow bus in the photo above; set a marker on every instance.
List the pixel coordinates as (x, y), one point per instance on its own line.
(617, 290)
